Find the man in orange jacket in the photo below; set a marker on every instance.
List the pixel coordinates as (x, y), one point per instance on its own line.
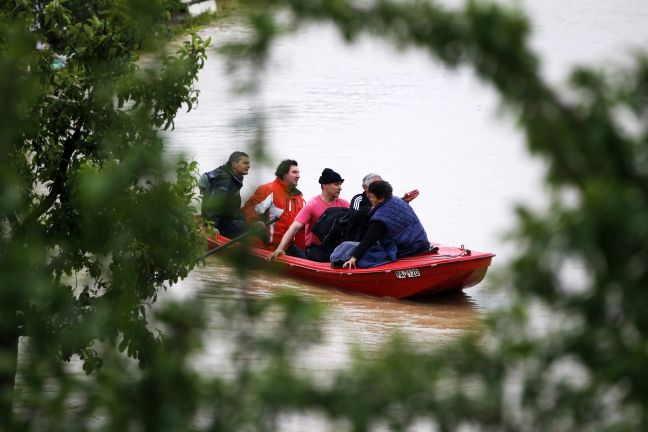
(279, 198)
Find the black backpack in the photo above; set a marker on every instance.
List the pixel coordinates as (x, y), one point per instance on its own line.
(338, 224)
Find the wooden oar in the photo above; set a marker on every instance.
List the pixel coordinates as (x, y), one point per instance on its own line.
(237, 238)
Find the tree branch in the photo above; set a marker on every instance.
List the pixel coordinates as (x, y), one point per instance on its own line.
(59, 181)
(193, 2)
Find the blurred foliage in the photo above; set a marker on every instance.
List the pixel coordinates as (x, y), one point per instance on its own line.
(93, 219)
(583, 369)
(93, 224)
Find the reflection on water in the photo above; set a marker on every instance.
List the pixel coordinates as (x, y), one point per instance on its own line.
(351, 320)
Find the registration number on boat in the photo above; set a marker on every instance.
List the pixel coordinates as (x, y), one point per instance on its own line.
(402, 274)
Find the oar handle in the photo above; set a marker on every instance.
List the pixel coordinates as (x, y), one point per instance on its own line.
(237, 238)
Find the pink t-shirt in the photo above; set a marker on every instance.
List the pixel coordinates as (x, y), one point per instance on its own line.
(312, 211)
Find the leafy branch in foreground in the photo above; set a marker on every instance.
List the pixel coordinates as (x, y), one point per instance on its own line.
(93, 221)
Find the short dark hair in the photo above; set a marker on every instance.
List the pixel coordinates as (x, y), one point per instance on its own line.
(381, 189)
(284, 167)
(236, 156)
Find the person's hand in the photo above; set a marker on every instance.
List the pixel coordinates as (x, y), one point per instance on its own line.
(409, 196)
(275, 254)
(351, 264)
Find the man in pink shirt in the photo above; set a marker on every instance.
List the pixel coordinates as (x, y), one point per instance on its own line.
(331, 184)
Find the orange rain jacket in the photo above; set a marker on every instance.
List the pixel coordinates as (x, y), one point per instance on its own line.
(275, 199)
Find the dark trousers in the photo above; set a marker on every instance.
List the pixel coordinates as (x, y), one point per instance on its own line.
(317, 253)
(294, 251)
(230, 227)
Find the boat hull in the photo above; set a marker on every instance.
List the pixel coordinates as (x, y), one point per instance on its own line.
(417, 277)
(447, 269)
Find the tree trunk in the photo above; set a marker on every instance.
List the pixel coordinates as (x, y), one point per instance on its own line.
(8, 368)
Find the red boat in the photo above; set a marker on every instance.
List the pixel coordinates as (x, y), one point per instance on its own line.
(447, 268)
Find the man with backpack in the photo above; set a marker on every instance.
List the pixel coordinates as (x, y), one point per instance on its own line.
(331, 185)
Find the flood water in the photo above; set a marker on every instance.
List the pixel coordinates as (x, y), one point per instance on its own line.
(369, 108)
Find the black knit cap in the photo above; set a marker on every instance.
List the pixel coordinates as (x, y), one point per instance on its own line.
(329, 176)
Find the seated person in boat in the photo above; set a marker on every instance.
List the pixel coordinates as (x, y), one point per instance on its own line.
(331, 186)
(391, 219)
(361, 201)
(340, 224)
(279, 198)
(221, 194)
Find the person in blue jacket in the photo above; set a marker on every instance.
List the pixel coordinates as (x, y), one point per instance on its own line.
(393, 219)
